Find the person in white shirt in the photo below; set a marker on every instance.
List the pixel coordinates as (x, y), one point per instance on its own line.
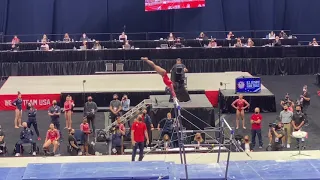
(271, 35)
(123, 37)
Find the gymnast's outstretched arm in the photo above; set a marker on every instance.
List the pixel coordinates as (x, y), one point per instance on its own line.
(157, 68)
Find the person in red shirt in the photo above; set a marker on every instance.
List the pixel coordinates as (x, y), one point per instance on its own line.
(68, 105)
(52, 137)
(163, 73)
(240, 105)
(256, 119)
(85, 128)
(138, 133)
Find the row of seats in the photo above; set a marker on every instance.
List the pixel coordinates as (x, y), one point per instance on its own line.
(110, 68)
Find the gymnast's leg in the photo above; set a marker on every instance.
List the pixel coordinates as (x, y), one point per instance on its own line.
(159, 69)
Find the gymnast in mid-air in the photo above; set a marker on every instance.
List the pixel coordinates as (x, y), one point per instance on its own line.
(163, 73)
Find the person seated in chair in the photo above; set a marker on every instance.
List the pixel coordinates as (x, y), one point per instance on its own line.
(73, 147)
(2, 143)
(26, 137)
(198, 140)
(52, 137)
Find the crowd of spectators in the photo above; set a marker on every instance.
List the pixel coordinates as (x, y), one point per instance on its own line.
(177, 41)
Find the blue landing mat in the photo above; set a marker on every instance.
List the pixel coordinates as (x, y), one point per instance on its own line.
(11, 173)
(274, 170)
(239, 170)
(95, 171)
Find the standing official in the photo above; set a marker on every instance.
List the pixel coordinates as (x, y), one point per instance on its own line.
(256, 119)
(138, 133)
(115, 108)
(305, 102)
(90, 110)
(54, 113)
(286, 118)
(32, 119)
(298, 121)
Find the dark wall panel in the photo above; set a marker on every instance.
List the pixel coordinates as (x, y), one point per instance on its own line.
(80, 16)
(30, 17)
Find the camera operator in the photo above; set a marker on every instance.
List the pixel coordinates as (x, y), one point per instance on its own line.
(298, 120)
(276, 134)
(287, 102)
(117, 137)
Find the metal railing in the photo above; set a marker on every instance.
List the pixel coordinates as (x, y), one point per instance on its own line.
(141, 35)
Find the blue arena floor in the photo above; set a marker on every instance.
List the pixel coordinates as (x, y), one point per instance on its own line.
(240, 170)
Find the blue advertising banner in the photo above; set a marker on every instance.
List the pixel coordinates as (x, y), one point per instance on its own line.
(248, 85)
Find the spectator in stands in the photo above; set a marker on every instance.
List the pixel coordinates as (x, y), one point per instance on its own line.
(44, 38)
(84, 45)
(168, 125)
(44, 46)
(115, 108)
(67, 107)
(26, 137)
(298, 120)
(15, 43)
(250, 43)
(283, 35)
(230, 35)
(138, 135)
(54, 113)
(287, 102)
(202, 36)
(256, 119)
(212, 44)
(286, 118)
(84, 37)
(239, 43)
(171, 37)
(117, 137)
(73, 147)
(178, 43)
(314, 42)
(90, 109)
(123, 37)
(277, 41)
(275, 135)
(32, 120)
(52, 138)
(246, 145)
(18, 111)
(271, 35)
(85, 129)
(240, 105)
(96, 45)
(198, 140)
(66, 38)
(126, 45)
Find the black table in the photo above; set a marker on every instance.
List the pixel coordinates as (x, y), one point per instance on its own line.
(142, 43)
(134, 54)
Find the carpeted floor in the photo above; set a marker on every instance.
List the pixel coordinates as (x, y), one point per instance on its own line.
(12, 134)
(279, 85)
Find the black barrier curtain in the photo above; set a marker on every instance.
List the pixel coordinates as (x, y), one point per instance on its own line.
(273, 66)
